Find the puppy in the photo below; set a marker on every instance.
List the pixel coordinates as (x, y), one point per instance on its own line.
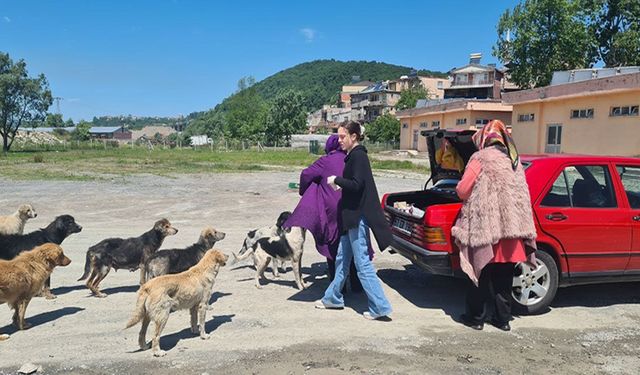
(23, 277)
(14, 224)
(62, 227)
(173, 261)
(120, 253)
(190, 289)
(268, 243)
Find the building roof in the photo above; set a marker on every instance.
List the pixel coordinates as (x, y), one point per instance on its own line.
(377, 87)
(455, 105)
(577, 75)
(473, 68)
(104, 129)
(597, 86)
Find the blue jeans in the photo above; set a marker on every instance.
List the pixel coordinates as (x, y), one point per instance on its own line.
(354, 245)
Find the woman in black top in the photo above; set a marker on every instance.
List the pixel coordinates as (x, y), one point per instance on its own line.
(359, 210)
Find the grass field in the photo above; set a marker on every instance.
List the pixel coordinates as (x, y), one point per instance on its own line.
(91, 164)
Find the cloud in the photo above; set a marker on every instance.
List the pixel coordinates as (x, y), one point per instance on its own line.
(308, 34)
(6, 19)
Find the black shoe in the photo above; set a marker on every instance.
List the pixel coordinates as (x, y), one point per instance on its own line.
(469, 323)
(501, 326)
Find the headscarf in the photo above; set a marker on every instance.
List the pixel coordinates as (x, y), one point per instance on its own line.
(332, 144)
(495, 133)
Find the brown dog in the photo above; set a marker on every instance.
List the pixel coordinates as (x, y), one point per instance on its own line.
(23, 277)
(190, 289)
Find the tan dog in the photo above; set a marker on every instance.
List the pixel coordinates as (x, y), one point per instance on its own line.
(14, 224)
(23, 277)
(190, 289)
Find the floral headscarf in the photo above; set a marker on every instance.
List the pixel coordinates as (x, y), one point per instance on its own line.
(495, 133)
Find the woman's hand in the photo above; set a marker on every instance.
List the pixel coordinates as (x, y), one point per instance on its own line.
(331, 181)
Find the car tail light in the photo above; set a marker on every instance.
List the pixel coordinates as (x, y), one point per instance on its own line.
(434, 235)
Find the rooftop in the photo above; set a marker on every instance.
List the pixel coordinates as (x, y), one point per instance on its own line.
(590, 87)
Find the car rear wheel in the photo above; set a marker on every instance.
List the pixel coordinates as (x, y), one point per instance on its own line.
(534, 288)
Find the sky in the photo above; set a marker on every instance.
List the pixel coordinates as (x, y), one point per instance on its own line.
(174, 57)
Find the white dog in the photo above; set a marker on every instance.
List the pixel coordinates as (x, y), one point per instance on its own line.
(14, 224)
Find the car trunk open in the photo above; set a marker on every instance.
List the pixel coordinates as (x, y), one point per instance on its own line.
(400, 208)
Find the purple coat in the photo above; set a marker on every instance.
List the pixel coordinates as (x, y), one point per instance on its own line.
(317, 210)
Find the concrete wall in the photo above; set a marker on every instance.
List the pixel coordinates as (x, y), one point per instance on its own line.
(447, 121)
(601, 135)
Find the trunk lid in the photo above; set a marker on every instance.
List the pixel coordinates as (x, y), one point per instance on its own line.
(461, 142)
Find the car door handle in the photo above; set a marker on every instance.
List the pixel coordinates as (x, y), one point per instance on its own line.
(636, 218)
(556, 216)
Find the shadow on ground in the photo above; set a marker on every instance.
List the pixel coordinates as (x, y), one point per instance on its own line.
(43, 318)
(168, 342)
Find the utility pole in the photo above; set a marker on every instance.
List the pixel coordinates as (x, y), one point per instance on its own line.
(57, 100)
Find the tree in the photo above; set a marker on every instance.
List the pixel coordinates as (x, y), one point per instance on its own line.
(616, 27)
(22, 99)
(54, 120)
(385, 128)
(81, 133)
(539, 37)
(286, 116)
(409, 97)
(245, 112)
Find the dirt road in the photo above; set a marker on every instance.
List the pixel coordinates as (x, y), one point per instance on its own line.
(276, 330)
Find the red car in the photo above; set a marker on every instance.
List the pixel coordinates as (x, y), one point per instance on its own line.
(586, 211)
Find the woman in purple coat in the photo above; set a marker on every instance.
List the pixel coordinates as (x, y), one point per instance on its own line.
(317, 210)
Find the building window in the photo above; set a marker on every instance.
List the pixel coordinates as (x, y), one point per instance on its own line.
(582, 113)
(423, 124)
(435, 124)
(525, 117)
(482, 121)
(440, 85)
(461, 121)
(630, 110)
(405, 125)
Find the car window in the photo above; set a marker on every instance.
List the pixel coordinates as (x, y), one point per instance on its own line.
(581, 186)
(558, 196)
(630, 177)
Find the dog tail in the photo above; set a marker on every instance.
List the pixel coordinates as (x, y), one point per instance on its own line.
(242, 256)
(140, 310)
(87, 266)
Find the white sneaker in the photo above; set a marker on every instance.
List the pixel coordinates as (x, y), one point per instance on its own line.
(322, 305)
(367, 315)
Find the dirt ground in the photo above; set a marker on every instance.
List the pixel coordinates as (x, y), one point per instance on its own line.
(276, 330)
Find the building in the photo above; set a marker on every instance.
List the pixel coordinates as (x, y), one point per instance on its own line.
(352, 88)
(329, 117)
(150, 132)
(109, 132)
(434, 86)
(475, 80)
(456, 113)
(588, 111)
(374, 101)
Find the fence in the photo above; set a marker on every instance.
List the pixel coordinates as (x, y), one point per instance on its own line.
(218, 145)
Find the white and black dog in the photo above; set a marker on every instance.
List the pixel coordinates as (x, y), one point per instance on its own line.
(277, 243)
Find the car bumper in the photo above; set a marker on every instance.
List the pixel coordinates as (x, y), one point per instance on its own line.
(435, 262)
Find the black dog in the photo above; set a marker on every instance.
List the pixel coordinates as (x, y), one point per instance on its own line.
(173, 261)
(120, 253)
(62, 227)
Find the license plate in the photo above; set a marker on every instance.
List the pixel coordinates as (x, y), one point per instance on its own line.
(402, 225)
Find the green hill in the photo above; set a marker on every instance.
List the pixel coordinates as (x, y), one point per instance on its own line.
(321, 81)
(245, 113)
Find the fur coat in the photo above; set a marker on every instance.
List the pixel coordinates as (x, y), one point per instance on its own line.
(499, 206)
